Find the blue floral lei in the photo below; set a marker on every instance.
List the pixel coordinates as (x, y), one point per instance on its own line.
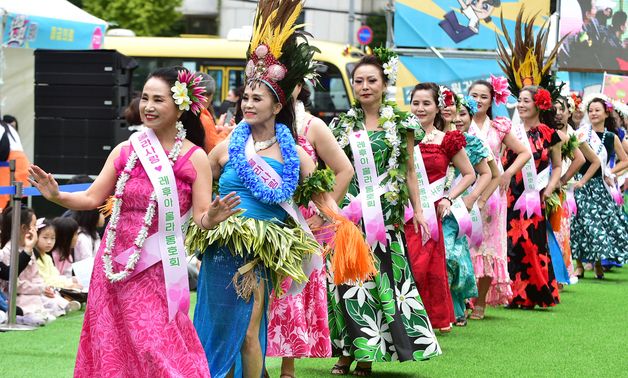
(289, 176)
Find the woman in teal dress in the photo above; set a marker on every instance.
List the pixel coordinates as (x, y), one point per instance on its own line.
(459, 265)
(255, 250)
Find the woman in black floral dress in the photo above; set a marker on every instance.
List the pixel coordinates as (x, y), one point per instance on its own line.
(529, 262)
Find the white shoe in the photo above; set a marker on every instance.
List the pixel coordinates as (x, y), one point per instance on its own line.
(3, 317)
(73, 306)
(30, 319)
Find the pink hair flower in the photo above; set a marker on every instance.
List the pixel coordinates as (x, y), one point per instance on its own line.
(500, 87)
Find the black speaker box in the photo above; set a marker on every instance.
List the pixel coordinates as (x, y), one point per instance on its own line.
(83, 67)
(80, 101)
(66, 146)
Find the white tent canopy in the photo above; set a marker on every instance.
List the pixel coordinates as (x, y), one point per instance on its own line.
(28, 25)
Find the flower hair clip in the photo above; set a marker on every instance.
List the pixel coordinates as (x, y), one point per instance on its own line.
(469, 103)
(577, 101)
(390, 61)
(500, 88)
(608, 106)
(543, 99)
(39, 224)
(445, 97)
(188, 93)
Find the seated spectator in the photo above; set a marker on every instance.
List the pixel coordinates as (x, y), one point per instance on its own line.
(37, 300)
(46, 236)
(66, 236)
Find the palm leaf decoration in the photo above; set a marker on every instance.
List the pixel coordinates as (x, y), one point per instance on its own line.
(523, 60)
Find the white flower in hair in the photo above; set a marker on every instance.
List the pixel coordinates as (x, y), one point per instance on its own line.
(180, 95)
(390, 69)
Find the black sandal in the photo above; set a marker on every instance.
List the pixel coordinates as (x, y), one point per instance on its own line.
(340, 369)
(461, 321)
(362, 371)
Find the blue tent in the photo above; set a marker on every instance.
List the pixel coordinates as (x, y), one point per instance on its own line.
(49, 24)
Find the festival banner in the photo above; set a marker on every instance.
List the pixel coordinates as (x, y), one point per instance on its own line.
(596, 36)
(459, 24)
(616, 87)
(455, 73)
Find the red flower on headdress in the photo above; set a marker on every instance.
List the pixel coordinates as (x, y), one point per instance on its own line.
(543, 99)
(576, 99)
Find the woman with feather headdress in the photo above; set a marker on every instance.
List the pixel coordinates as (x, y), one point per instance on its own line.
(529, 262)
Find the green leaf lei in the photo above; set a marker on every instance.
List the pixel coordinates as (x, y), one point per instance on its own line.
(396, 123)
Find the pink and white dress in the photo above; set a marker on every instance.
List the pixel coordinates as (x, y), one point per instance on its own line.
(126, 332)
(489, 259)
(298, 325)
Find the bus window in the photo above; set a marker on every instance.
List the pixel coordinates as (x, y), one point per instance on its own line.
(218, 74)
(236, 77)
(330, 98)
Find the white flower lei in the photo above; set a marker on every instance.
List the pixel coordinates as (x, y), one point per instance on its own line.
(387, 119)
(299, 116)
(110, 237)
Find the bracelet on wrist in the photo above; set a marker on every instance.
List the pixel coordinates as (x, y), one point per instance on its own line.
(202, 225)
(451, 202)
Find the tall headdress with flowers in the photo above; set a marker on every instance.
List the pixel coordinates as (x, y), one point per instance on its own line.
(279, 55)
(525, 63)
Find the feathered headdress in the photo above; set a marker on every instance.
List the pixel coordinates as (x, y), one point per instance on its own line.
(525, 64)
(279, 54)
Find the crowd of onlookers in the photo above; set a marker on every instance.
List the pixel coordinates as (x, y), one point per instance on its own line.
(47, 285)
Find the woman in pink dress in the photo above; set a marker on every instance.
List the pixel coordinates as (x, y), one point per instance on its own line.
(298, 325)
(128, 329)
(489, 260)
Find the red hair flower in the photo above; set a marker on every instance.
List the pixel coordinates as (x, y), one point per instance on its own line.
(543, 99)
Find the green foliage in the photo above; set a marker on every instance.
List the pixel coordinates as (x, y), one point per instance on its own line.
(378, 24)
(552, 204)
(151, 18)
(279, 247)
(569, 147)
(320, 181)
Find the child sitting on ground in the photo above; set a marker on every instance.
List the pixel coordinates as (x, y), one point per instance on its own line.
(46, 236)
(37, 300)
(66, 230)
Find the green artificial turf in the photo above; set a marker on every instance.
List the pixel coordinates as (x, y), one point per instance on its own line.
(586, 335)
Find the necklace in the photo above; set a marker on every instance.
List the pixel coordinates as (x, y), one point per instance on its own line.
(264, 144)
(266, 191)
(110, 237)
(429, 137)
(599, 149)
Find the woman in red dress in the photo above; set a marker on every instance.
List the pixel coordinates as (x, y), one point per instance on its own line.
(439, 149)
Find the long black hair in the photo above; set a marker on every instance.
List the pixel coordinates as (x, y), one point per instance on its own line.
(547, 117)
(65, 229)
(26, 217)
(191, 122)
(489, 111)
(439, 121)
(610, 123)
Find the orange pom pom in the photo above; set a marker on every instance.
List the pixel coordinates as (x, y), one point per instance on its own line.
(352, 258)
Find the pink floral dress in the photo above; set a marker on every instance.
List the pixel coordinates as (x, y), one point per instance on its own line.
(298, 325)
(126, 332)
(489, 259)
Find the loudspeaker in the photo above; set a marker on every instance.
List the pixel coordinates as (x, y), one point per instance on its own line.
(67, 146)
(83, 67)
(81, 101)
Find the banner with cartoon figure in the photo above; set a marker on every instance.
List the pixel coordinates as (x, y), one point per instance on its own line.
(467, 24)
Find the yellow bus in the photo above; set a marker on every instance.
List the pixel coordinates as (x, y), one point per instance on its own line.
(225, 60)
